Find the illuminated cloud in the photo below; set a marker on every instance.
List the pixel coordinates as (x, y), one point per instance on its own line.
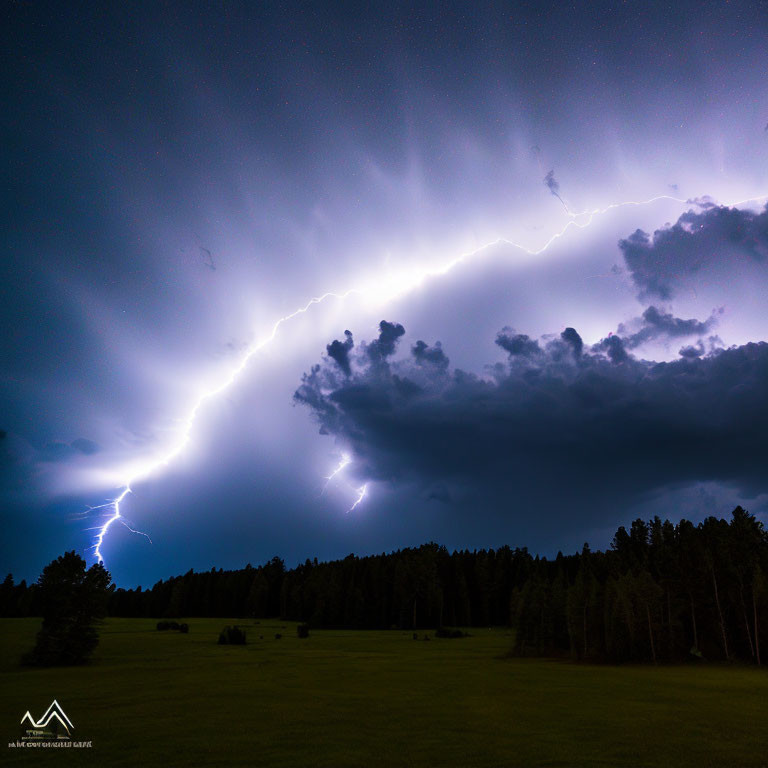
(556, 423)
(656, 323)
(709, 245)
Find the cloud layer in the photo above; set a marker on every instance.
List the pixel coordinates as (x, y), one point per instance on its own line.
(559, 423)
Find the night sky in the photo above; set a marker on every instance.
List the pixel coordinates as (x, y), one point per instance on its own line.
(175, 181)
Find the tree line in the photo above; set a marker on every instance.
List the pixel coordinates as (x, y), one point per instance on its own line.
(661, 592)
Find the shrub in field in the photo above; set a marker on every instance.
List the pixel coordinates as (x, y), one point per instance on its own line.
(302, 630)
(164, 626)
(448, 633)
(232, 636)
(278, 636)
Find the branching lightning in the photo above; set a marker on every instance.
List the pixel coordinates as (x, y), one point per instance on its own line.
(116, 516)
(384, 291)
(114, 505)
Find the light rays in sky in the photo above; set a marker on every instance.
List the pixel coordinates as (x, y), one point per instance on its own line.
(380, 290)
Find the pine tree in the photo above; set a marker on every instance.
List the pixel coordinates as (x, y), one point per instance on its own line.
(73, 600)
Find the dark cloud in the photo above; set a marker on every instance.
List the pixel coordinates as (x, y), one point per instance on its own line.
(705, 202)
(571, 337)
(655, 324)
(517, 343)
(339, 351)
(614, 349)
(551, 183)
(717, 238)
(384, 346)
(434, 356)
(576, 430)
(693, 350)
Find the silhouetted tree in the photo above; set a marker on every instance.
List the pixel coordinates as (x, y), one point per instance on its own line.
(73, 599)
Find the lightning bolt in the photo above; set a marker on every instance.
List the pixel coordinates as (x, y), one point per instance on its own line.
(114, 505)
(345, 461)
(361, 492)
(385, 290)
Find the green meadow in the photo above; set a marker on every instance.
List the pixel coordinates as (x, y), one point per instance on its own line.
(346, 698)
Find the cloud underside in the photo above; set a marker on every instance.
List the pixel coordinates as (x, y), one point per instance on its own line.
(557, 423)
(715, 241)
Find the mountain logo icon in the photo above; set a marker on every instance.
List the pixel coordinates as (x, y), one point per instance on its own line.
(53, 724)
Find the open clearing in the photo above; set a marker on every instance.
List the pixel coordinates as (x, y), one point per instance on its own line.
(346, 698)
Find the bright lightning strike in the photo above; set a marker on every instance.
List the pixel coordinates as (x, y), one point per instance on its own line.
(384, 291)
(345, 461)
(361, 493)
(115, 506)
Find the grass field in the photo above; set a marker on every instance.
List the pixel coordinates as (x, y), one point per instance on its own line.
(373, 699)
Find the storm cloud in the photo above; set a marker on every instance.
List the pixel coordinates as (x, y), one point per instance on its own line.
(552, 184)
(204, 198)
(655, 323)
(715, 239)
(555, 422)
(339, 352)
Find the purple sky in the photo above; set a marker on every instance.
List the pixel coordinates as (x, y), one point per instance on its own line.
(178, 182)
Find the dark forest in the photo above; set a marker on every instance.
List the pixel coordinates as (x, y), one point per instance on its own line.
(661, 592)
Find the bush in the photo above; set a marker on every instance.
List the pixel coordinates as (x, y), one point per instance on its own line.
(164, 626)
(278, 636)
(302, 630)
(232, 636)
(451, 634)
